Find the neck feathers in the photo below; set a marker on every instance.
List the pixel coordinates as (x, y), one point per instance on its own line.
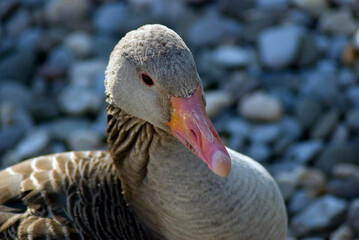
(129, 139)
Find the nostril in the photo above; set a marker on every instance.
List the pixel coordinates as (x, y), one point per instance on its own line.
(193, 133)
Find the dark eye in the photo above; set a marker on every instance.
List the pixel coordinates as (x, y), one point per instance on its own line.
(147, 79)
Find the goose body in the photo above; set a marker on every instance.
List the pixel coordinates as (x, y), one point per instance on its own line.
(178, 180)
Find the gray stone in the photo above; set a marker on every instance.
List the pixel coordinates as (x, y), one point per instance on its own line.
(356, 39)
(288, 181)
(322, 214)
(325, 124)
(308, 111)
(342, 233)
(236, 8)
(340, 134)
(33, 144)
(30, 38)
(334, 154)
(85, 74)
(84, 139)
(44, 107)
(291, 128)
(260, 106)
(80, 43)
(309, 52)
(344, 188)
(314, 180)
(337, 44)
(259, 152)
(201, 32)
(338, 22)
(18, 23)
(61, 128)
(272, 4)
(15, 116)
(346, 77)
(18, 66)
(267, 133)
(217, 101)
(238, 130)
(15, 93)
(232, 56)
(345, 170)
(76, 100)
(300, 200)
(111, 17)
(353, 215)
(279, 46)
(303, 152)
(104, 45)
(314, 7)
(61, 57)
(353, 95)
(352, 119)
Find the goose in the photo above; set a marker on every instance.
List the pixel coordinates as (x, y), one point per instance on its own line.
(166, 174)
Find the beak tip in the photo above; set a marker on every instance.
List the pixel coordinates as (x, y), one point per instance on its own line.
(221, 163)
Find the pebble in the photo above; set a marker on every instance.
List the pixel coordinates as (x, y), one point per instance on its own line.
(342, 233)
(352, 119)
(80, 43)
(338, 22)
(260, 106)
(309, 52)
(33, 144)
(232, 56)
(313, 180)
(344, 188)
(353, 215)
(267, 133)
(279, 46)
(332, 155)
(201, 33)
(61, 57)
(301, 199)
(326, 124)
(77, 101)
(323, 213)
(305, 151)
(84, 139)
(61, 128)
(217, 101)
(84, 74)
(111, 18)
(259, 152)
(18, 23)
(15, 93)
(345, 170)
(314, 7)
(308, 111)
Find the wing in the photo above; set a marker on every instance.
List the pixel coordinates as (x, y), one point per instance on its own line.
(74, 195)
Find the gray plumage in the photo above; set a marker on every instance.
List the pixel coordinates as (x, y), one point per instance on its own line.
(168, 192)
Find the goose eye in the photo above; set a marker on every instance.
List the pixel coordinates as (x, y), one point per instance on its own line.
(147, 79)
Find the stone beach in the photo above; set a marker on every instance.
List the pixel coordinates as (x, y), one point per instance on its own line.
(281, 77)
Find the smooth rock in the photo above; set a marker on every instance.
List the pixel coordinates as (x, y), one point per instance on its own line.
(305, 151)
(61, 128)
(352, 119)
(9, 137)
(334, 154)
(229, 56)
(236, 8)
(325, 125)
(342, 233)
(279, 46)
(301, 199)
(341, 134)
(76, 100)
(337, 44)
(111, 17)
(30, 38)
(85, 74)
(314, 7)
(325, 212)
(347, 77)
(10, 66)
(353, 95)
(353, 215)
(15, 93)
(61, 57)
(217, 101)
(260, 106)
(272, 4)
(308, 111)
(84, 139)
(259, 151)
(344, 188)
(18, 23)
(267, 133)
(44, 107)
(338, 22)
(313, 180)
(80, 43)
(345, 170)
(288, 181)
(212, 29)
(291, 128)
(72, 14)
(15, 116)
(104, 45)
(33, 144)
(309, 52)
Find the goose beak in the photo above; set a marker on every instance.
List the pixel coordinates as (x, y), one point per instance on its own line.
(190, 124)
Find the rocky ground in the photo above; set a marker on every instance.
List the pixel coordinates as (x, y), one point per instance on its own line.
(281, 80)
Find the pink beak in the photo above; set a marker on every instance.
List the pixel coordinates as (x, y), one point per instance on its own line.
(191, 125)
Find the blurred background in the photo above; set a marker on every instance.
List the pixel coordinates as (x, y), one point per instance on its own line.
(281, 82)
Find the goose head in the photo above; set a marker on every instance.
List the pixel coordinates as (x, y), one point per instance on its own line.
(151, 75)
